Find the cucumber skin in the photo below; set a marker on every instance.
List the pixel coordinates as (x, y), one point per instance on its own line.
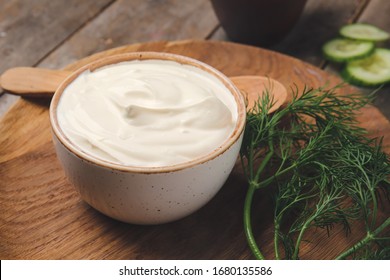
(349, 78)
(342, 60)
(343, 34)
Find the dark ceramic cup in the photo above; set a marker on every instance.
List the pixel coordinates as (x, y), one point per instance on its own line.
(258, 22)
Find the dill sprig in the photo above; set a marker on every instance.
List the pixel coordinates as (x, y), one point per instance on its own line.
(326, 170)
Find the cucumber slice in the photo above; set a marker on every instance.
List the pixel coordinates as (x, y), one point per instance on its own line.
(363, 31)
(373, 70)
(341, 50)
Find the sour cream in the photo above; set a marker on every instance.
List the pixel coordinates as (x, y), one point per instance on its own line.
(147, 113)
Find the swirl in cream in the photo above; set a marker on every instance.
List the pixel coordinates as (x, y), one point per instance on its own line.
(147, 113)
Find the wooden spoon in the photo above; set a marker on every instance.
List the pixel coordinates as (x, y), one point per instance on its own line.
(253, 87)
(40, 82)
(32, 82)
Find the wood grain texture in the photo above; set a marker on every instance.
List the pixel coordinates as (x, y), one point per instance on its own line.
(26, 81)
(42, 217)
(128, 22)
(118, 23)
(377, 13)
(29, 30)
(319, 22)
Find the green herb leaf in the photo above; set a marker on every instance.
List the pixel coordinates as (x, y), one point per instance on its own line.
(326, 171)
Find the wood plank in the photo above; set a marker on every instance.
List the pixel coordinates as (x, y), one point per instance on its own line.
(124, 22)
(377, 13)
(127, 22)
(36, 199)
(319, 22)
(29, 30)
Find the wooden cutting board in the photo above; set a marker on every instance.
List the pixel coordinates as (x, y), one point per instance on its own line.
(42, 216)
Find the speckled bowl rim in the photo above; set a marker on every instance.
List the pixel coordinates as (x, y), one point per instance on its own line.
(114, 59)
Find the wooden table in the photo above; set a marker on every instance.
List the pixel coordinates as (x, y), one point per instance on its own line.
(53, 34)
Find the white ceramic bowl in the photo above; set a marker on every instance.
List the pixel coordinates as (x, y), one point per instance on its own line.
(147, 195)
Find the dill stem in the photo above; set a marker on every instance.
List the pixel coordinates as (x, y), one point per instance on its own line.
(263, 164)
(251, 162)
(244, 167)
(374, 200)
(374, 207)
(273, 177)
(299, 239)
(248, 224)
(276, 239)
(368, 238)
